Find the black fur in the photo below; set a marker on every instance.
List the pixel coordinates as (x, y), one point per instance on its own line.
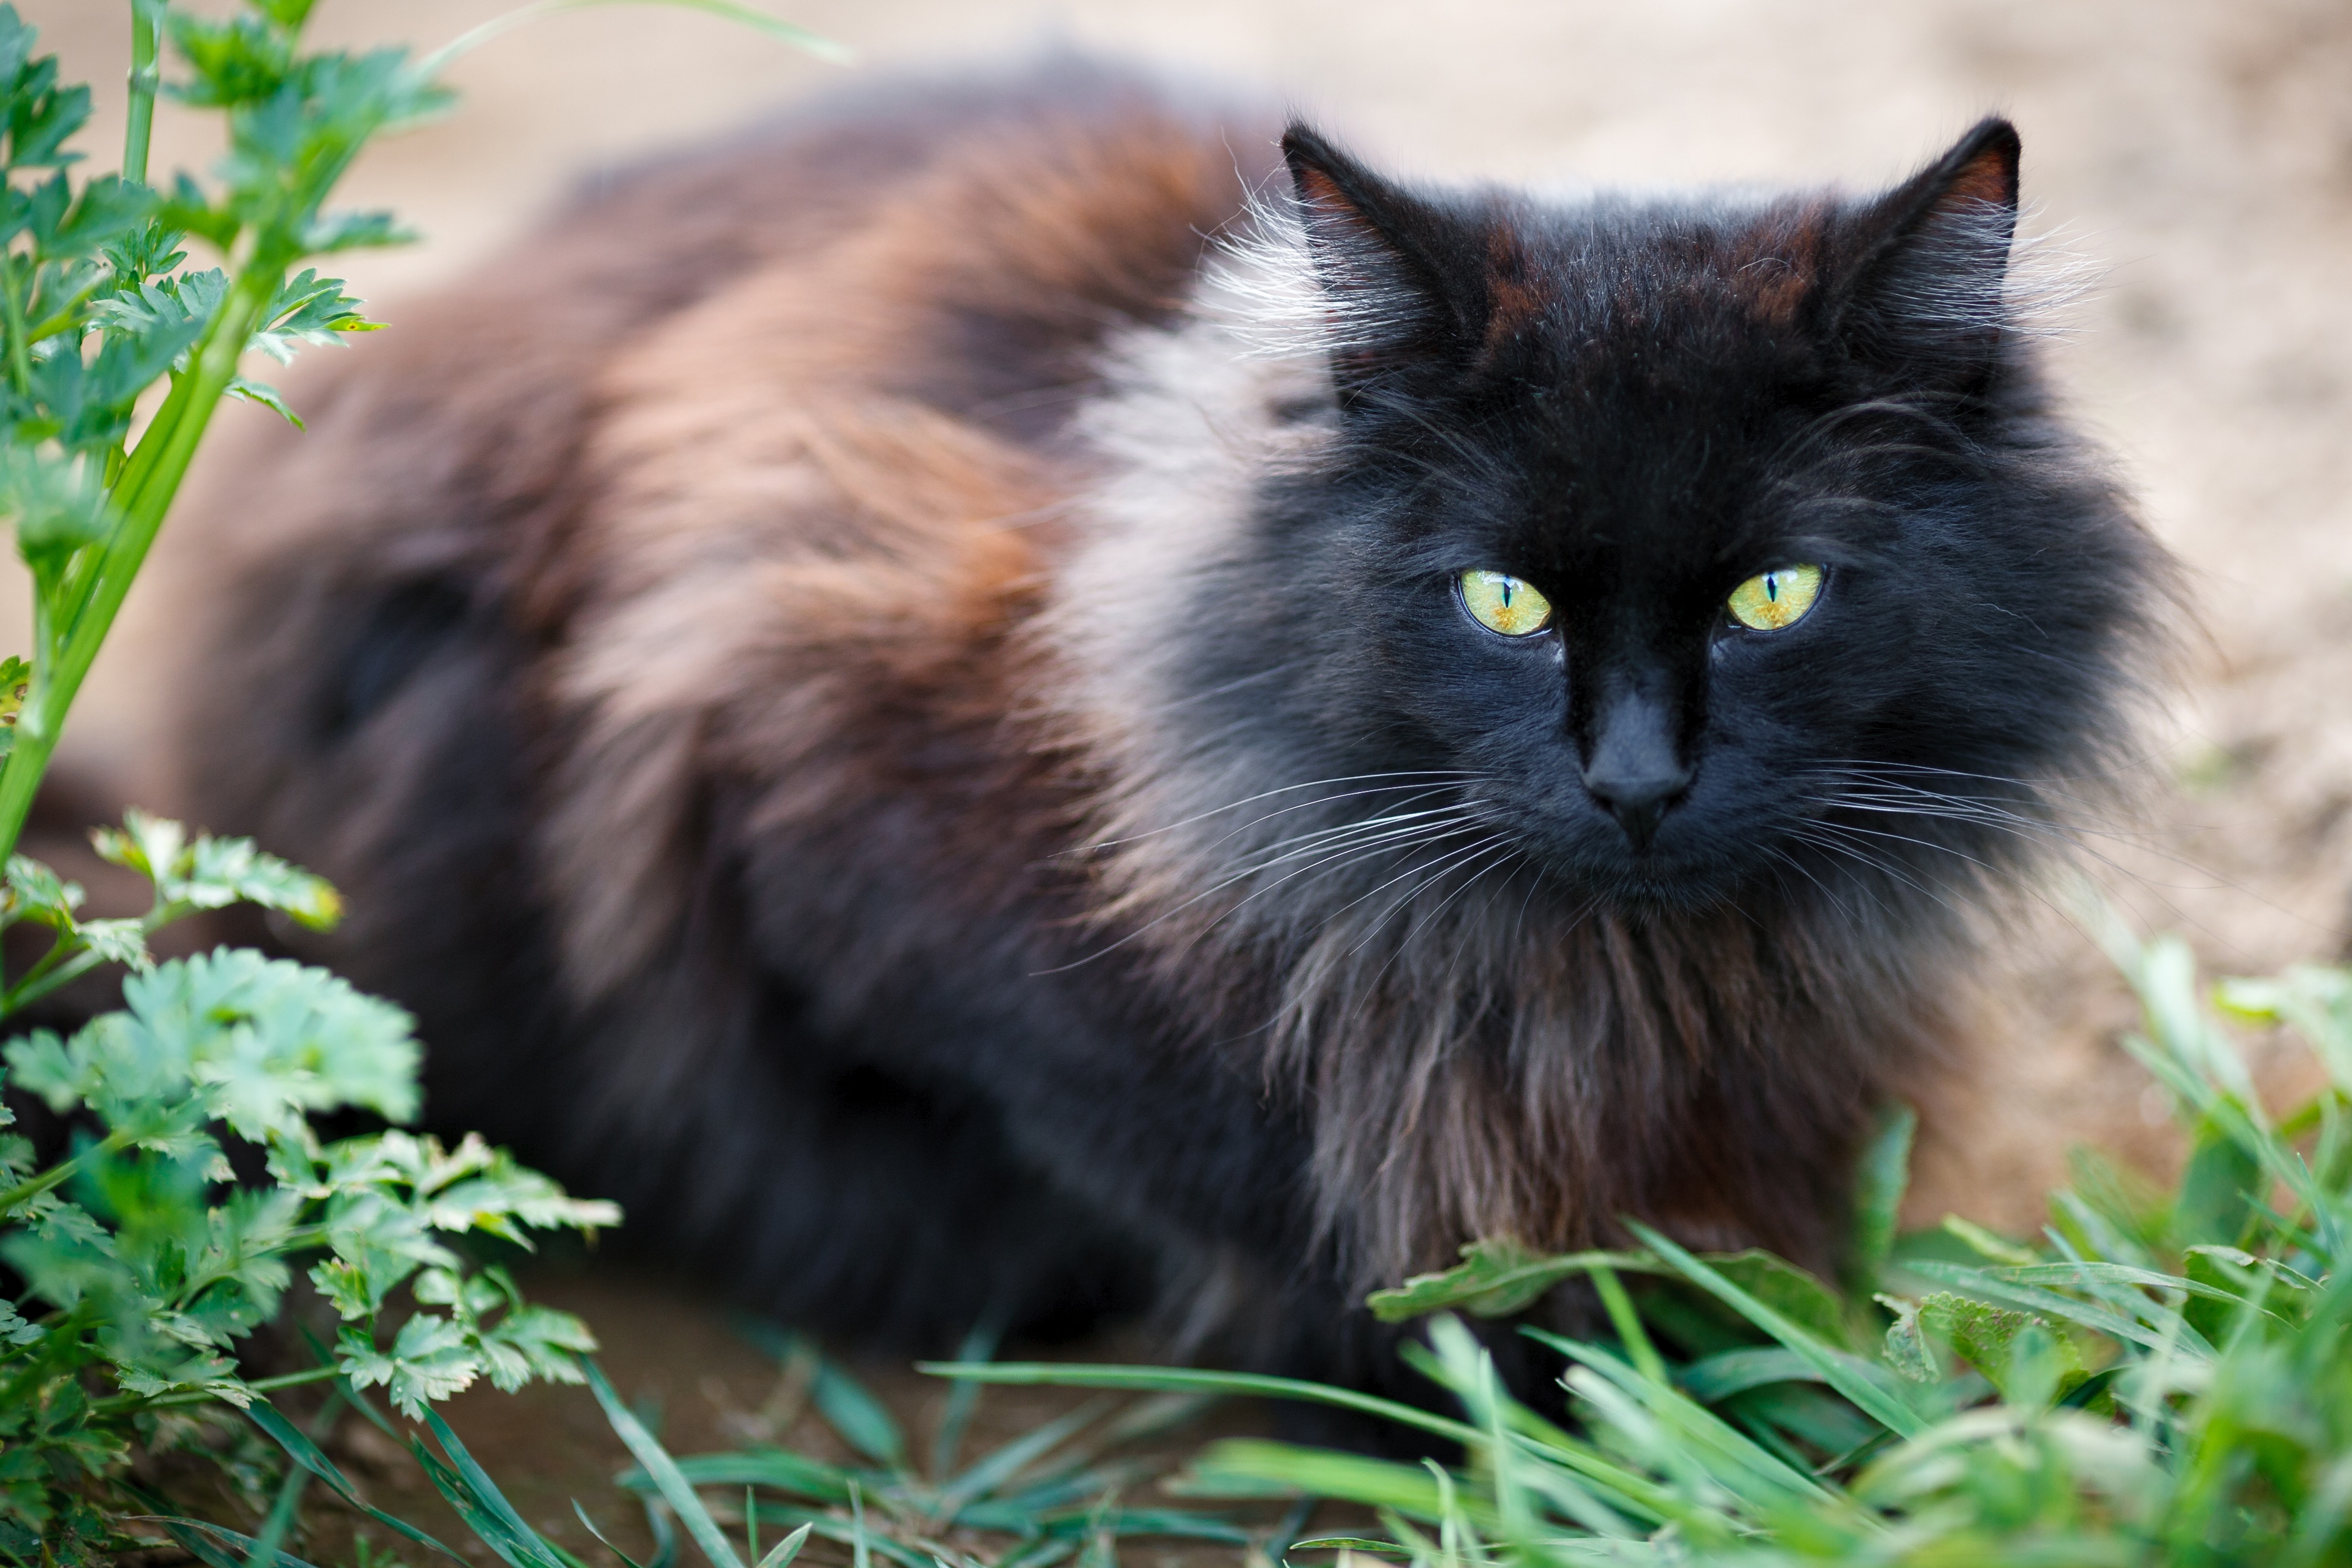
(890, 1060)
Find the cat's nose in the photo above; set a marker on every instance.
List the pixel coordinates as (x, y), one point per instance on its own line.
(1639, 801)
(1633, 771)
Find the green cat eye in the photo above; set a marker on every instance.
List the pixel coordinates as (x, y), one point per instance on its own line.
(1776, 599)
(1501, 602)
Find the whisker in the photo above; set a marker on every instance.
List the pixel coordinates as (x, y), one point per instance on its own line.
(1285, 789)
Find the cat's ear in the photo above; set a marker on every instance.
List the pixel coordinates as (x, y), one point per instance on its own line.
(1925, 280)
(1391, 301)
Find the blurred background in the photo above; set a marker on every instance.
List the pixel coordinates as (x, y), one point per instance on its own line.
(2198, 156)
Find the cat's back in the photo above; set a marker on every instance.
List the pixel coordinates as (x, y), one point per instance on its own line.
(801, 393)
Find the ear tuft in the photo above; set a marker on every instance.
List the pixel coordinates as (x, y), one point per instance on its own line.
(1378, 255)
(1928, 285)
(1983, 167)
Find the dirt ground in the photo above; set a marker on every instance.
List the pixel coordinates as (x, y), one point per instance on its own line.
(2197, 155)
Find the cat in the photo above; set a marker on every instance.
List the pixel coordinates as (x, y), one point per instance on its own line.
(1021, 698)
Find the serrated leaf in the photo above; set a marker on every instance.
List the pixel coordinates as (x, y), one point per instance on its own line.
(117, 941)
(1907, 1349)
(1498, 1276)
(36, 892)
(14, 1329)
(54, 503)
(429, 1360)
(247, 389)
(1986, 1337)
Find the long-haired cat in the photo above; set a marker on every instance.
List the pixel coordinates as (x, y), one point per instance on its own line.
(1024, 697)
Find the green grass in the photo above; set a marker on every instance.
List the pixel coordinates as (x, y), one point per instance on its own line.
(2159, 1377)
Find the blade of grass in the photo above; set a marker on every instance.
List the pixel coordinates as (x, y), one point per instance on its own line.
(779, 1469)
(289, 1494)
(1247, 1466)
(1840, 1371)
(1001, 1465)
(205, 1542)
(782, 1554)
(863, 1422)
(480, 1503)
(590, 1525)
(1188, 1380)
(307, 1454)
(760, 20)
(963, 1400)
(664, 1471)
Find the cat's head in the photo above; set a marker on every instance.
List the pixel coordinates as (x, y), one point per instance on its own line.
(1669, 549)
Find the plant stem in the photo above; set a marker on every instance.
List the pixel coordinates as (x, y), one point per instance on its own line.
(20, 353)
(146, 40)
(25, 1191)
(33, 988)
(150, 481)
(116, 1403)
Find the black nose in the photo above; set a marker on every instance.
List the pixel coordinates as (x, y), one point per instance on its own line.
(1638, 801)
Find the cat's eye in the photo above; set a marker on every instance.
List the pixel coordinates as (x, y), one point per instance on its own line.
(1501, 602)
(1772, 600)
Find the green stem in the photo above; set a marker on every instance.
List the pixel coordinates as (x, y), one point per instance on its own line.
(11, 300)
(114, 1405)
(40, 980)
(150, 481)
(146, 40)
(25, 1191)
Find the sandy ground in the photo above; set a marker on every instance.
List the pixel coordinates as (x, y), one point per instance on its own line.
(2198, 156)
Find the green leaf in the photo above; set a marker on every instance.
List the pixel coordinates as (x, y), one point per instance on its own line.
(1907, 1350)
(53, 502)
(2316, 1000)
(2218, 1190)
(1789, 1290)
(857, 1416)
(213, 873)
(1857, 1380)
(246, 390)
(1498, 1276)
(1714, 1378)
(536, 1341)
(117, 941)
(1988, 1338)
(429, 1359)
(36, 892)
(14, 1329)
(1881, 1178)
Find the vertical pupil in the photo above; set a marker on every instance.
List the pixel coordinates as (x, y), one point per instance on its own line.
(1509, 584)
(1772, 586)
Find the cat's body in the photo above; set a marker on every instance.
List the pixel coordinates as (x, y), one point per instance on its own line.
(899, 712)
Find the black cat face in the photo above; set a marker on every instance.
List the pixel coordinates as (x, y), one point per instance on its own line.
(1724, 547)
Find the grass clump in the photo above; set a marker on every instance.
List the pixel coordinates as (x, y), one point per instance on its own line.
(2157, 1378)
